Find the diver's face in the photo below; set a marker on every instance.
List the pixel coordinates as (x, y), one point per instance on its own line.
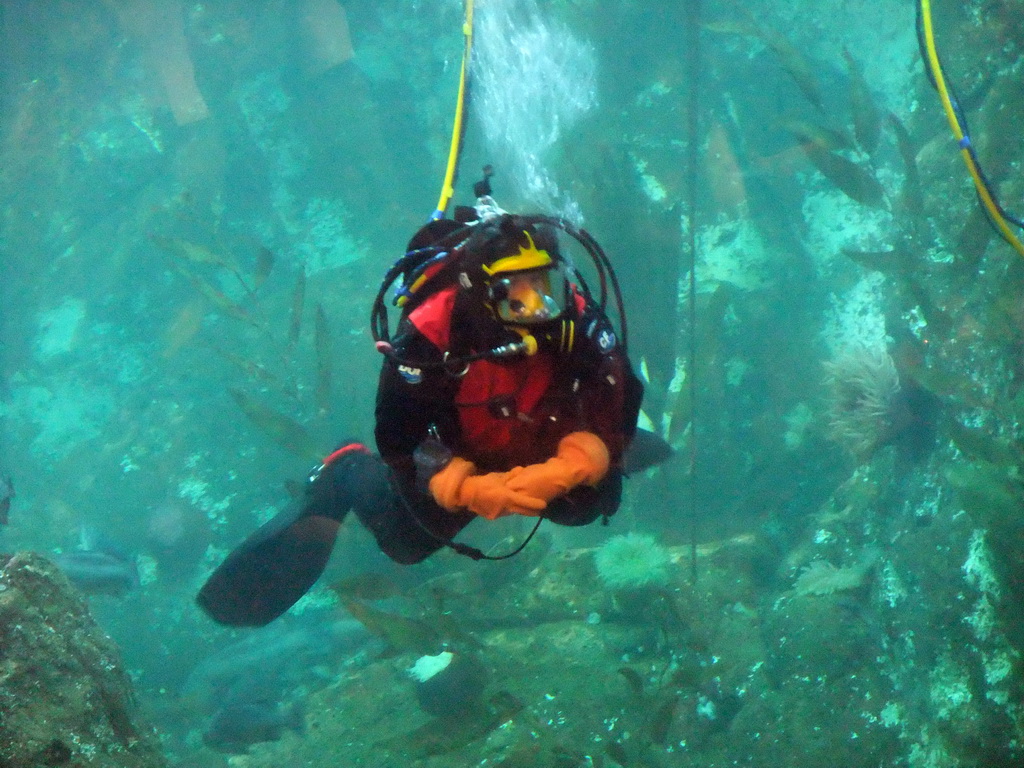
(525, 297)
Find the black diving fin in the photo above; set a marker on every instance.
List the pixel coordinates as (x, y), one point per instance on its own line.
(647, 449)
(269, 571)
(266, 574)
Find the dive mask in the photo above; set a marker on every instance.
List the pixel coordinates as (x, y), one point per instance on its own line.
(528, 297)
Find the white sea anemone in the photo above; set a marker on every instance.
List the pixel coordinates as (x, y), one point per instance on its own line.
(862, 388)
(632, 561)
(428, 666)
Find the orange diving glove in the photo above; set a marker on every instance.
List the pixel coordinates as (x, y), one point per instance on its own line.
(582, 458)
(456, 487)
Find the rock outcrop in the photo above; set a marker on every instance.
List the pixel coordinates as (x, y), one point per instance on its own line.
(65, 700)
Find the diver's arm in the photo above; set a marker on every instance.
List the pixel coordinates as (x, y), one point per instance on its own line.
(608, 397)
(582, 459)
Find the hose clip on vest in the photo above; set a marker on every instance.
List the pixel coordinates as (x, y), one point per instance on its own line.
(451, 364)
(502, 407)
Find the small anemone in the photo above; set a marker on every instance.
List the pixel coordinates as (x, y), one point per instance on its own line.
(863, 387)
(869, 406)
(632, 561)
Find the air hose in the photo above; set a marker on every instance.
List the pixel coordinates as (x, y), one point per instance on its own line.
(459, 126)
(1000, 219)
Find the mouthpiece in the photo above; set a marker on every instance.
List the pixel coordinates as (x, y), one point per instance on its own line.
(527, 346)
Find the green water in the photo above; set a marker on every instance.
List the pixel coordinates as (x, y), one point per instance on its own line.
(198, 205)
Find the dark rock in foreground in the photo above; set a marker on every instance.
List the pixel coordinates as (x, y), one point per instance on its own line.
(64, 698)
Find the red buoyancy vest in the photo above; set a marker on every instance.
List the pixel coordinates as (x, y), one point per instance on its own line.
(498, 408)
(498, 402)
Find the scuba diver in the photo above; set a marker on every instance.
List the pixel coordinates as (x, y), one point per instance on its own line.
(505, 391)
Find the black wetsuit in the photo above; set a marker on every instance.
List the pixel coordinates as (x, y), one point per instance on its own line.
(499, 414)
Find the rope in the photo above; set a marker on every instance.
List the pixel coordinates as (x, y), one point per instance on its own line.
(692, 120)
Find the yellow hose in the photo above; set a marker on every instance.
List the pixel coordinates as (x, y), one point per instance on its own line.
(447, 189)
(984, 193)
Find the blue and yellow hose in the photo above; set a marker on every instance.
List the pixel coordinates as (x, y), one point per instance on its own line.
(1000, 219)
(458, 129)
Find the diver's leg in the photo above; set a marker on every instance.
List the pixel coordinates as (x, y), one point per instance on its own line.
(408, 526)
(268, 572)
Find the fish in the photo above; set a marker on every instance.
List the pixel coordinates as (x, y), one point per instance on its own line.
(99, 573)
(264, 266)
(97, 567)
(273, 663)
(285, 431)
(634, 680)
(195, 253)
(855, 181)
(912, 196)
(819, 136)
(733, 27)
(6, 494)
(796, 64)
(866, 121)
(237, 726)
(790, 57)
(220, 300)
(183, 328)
(400, 632)
(662, 720)
(255, 370)
(785, 162)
